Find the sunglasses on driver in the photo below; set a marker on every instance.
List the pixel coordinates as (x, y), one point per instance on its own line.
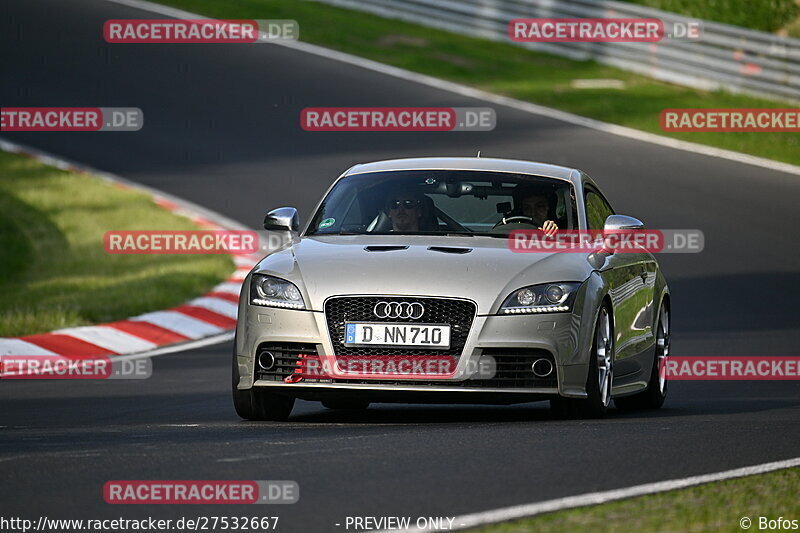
(405, 204)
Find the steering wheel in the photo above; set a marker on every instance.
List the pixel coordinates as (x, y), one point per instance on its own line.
(517, 219)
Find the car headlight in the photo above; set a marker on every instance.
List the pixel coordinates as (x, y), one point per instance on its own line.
(544, 298)
(275, 292)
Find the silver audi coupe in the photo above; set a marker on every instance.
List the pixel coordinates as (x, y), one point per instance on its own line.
(404, 286)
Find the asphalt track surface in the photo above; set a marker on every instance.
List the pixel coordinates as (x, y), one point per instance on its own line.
(222, 130)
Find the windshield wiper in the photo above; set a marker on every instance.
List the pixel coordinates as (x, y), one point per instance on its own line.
(323, 234)
(398, 233)
(495, 235)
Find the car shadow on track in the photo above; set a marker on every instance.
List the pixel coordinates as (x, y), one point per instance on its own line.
(414, 414)
(422, 414)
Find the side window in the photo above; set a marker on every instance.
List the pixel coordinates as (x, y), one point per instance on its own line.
(597, 210)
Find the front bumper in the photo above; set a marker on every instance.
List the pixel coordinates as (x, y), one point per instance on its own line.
(555, 334)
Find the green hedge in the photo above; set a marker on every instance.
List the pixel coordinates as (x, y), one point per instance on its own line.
(764, 15)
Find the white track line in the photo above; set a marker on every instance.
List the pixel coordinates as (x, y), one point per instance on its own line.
(594, 498)
(470, 92)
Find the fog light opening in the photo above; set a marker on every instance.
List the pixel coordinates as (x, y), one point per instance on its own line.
(266, 361)
(542, 368)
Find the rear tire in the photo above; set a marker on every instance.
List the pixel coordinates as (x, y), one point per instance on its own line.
(351, 405)
(254, 404)
(656, 392)
(600, 378)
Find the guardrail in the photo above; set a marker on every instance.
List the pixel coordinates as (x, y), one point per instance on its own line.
(726, 57)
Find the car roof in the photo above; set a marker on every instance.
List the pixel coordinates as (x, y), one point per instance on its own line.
(471, 163)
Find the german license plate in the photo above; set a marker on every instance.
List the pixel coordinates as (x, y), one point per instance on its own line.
(387, 334)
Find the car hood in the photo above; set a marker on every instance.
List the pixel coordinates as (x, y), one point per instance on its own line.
(482, 269)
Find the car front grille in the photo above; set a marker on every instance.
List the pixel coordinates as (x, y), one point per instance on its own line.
(458, 314)
(513, 371)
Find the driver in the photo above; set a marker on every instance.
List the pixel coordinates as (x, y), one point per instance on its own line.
(535, 205)
(404, 209)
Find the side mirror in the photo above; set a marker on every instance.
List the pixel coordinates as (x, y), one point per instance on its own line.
(616, 223)
(282, 219)
(620, 222)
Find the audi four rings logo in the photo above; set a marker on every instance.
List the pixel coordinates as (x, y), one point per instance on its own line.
(398, 310)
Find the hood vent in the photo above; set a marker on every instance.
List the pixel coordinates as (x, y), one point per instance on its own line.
(385, 248)
(449, 249)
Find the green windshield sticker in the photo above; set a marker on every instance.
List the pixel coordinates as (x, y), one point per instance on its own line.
(327, 223)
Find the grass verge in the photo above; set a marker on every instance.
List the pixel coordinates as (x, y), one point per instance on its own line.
(763, 15)
(706, 508)
(506, 69)
(54, 271)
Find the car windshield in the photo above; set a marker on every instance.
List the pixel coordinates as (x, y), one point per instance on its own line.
(461, 202)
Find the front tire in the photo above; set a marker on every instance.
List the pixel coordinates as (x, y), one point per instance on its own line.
(254, 404)
(600, 378)
(656, 392)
